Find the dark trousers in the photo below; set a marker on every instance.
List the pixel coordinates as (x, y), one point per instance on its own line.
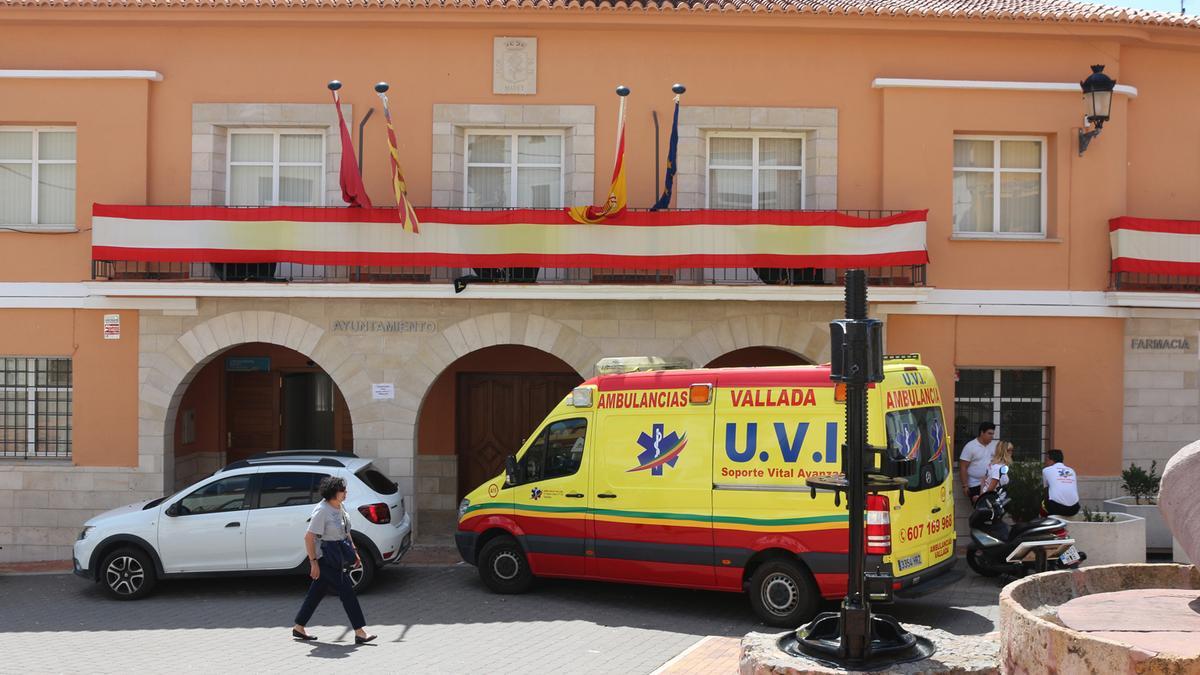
(340, 581)
(1055, 509)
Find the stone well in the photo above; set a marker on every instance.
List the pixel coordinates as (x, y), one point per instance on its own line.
(1034, 639)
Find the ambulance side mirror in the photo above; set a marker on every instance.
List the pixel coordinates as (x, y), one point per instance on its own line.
(510, 470)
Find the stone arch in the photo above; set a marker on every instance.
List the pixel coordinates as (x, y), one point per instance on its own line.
(168, 364)
(806, 339)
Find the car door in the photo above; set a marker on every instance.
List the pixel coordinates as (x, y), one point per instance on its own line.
(205, 530)
(550, 499)
(279, 518)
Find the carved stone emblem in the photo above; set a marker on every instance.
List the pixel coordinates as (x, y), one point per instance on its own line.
(514, 65)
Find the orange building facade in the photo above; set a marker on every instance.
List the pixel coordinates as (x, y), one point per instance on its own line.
(120, 379)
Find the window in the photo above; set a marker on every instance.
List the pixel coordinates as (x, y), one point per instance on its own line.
(755, 171)
(283, 167)
(377, 481)
(557, 452)
(227, 494)
(288, 489)
(1016, 400)
(920, 434)
(37, 177)
(1000, 186)
(530, 177)
(35, 407)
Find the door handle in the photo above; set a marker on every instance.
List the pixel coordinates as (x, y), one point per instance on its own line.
(936, 509)
(574, 495)
(606, 495)
(233, 524)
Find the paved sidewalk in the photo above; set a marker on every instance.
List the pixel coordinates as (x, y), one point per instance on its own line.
(434, 619)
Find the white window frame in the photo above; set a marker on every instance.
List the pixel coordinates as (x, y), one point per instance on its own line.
(996, 170)
(275, 164)
(513, 165)
(35, 178)
(754, 167)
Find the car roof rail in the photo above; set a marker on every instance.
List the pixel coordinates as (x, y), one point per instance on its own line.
(273, 461)
(296, 453)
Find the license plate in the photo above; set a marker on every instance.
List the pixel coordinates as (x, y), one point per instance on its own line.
(909, 562)
(1070, 556)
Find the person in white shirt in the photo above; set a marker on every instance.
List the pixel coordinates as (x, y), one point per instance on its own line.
(997, 471)
(974, 460)
(1062, 490)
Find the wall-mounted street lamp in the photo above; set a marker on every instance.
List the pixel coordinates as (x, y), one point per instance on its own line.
(1097, 104)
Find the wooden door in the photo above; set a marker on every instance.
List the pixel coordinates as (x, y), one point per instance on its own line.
(251, 414)
(495, 413)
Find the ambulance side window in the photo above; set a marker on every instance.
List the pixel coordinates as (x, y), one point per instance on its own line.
(557, 451)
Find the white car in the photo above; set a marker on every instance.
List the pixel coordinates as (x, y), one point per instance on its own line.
(246, 519)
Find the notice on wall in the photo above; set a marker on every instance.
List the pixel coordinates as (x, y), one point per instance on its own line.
(514, 65)
(1159, 344)
(383, 391)
(112, 326)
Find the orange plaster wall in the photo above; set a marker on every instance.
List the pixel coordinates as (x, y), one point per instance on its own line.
(105, 375)
(111, 118)
(436, 423)
(894, 145)
(1087, 382)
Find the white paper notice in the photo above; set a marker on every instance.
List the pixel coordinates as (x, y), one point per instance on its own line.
(383, 392)
(112, 326)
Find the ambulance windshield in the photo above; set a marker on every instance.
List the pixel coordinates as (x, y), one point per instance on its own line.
(920, 434)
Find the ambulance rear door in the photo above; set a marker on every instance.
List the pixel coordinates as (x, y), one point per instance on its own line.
(922, 527)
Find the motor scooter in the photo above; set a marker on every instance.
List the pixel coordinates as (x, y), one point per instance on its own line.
(1016, 550)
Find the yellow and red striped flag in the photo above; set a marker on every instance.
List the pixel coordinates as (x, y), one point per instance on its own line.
(408, 217)
(615, 204)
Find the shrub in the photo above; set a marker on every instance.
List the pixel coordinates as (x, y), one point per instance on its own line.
(1025, 490)
(1090, 516)
(1141, 484)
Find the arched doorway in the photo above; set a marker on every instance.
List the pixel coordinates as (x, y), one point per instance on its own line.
(478, 411)
(757, 356)
(253, 398)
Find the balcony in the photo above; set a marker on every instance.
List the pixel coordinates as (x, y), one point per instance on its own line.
(516, 246)
(1154, 255)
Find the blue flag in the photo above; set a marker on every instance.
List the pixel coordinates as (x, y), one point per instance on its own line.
(669, 183)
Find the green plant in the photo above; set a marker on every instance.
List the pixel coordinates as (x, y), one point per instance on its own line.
(1141, 484)
(1090, 516)
(1025, 490)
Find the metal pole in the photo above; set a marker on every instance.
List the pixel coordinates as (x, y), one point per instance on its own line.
(363, 123)
(654, 114)
(856, 620)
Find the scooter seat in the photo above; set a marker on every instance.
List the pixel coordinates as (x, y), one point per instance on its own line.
(1020, 528)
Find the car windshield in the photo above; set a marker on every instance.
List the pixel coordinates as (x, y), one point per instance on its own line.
(920, 434)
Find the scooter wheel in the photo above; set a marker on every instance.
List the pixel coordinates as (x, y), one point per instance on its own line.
(976, 561)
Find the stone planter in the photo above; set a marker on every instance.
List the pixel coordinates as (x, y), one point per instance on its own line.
(1158, 536)
(1122, 541)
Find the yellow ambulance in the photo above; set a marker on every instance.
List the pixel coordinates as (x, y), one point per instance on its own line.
(696, 479)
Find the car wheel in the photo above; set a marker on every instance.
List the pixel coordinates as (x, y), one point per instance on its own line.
(783, 593)
(363, 576)
(503, 566)
(127, 574)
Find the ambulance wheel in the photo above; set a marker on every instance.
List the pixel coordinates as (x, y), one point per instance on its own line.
(503, 567)
(783, 593)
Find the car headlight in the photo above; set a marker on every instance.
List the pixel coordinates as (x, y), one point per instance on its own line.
(462, 508)
(84, 533)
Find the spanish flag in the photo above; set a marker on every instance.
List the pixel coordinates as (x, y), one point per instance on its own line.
(408, 217)
(615, 204)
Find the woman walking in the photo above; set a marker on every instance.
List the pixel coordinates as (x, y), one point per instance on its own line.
(331, 556)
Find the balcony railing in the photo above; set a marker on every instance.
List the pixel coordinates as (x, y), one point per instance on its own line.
(340, 245)
(1155, 255)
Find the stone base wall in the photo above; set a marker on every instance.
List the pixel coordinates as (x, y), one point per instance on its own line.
(43, 505)
(191, 468)
(437, 492)
(1162, 389)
